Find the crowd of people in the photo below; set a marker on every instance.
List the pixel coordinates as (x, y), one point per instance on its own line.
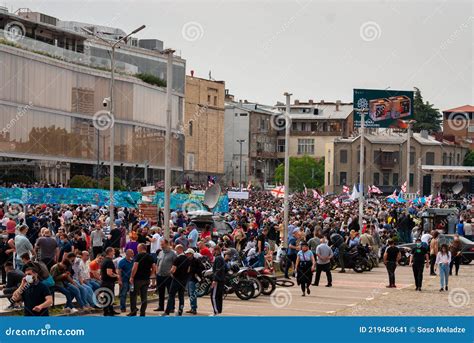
(72, 250)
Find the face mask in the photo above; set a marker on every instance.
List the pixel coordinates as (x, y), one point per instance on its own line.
(418, 245)
(29, 279)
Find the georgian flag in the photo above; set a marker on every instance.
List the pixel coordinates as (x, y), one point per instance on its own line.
(345, 189)
(428, 200)
(335, 202)
(321, 201)
(404, 187)
(278, 192)
(375, 190)
(316, 194)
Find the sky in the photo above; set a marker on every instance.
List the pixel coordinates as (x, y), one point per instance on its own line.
(314, 49)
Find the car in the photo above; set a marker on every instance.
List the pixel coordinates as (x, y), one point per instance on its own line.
(218, 225)
(467, 247)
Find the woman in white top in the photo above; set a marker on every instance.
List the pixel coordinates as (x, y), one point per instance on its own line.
(443, 259)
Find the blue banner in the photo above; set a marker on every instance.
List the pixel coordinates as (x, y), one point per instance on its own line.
(237, 329)
(191, 202)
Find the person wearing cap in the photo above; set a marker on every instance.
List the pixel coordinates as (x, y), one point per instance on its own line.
(305, 266)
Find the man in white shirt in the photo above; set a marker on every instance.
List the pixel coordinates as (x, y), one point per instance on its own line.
(426, 237)
(84, 272)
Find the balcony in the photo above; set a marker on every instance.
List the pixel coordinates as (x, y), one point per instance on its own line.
(386, 164)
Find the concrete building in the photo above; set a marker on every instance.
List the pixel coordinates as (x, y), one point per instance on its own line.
(54, 82)
(385, 162)
(313, 124)
(458, 124)
(204, 129)
(248, 126)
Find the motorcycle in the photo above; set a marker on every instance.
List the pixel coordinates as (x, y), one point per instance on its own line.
(352, 259)
(265, 278)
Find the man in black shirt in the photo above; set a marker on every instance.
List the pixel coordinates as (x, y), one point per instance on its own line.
(261, 248)
(14, 278)
(180, 274)
(109, 277)
(143, 268)
(390, 258)
(219, 270)
(114, 237)
(419, 257)
(35, 295)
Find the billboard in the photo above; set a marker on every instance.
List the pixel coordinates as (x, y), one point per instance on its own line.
(384, 108)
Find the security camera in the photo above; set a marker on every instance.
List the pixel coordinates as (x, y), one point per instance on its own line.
(106, 102)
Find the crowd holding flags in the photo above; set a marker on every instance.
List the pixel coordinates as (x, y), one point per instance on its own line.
(345, 189)
(278, 192)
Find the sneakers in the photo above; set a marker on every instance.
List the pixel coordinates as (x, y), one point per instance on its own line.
(329, 285)
(342, 271)
(66, 310)
(164, 314)
(179, 313)
(74, 310)
(132, 314)
(159, 309)
(441, 289)
(191, 311)
(446, 288)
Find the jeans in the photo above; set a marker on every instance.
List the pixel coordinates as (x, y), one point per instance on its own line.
(391, 266)
(139, 286)
(443, 274)
(177, 286)
(93, 284)
(87, 294)
(76, 293)
(109, 309)
(18, 264)
(67, 294)
(192, 294)
(123, 294)
(291, 259)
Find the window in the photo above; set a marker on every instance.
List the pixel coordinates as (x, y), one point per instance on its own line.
(376, 179)
(294, 126)
(316, 111)
(429, 158)
(190, 161)
(342, 178)
(305, 146)
(303, 126)
(386, 178)
(208, 99)
(281, 145)
(458, 159)
(343, 156)
(395, 179)
(190, 128)
(377, 154)
(243, 114)
(412, 158)
(263, 124)
(215, 100)
(329, 178)
(412, 178)
(445, 159)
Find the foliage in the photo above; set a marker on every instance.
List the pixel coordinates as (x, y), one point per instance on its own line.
(151, 79)
(304, 170)
(83, 181)
(469, 159)
(427, 117)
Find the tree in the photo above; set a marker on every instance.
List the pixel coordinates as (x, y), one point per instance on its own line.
(304, 170)
(427, 117)
(469, 159)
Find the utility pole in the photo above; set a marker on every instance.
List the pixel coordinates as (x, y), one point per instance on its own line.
(287, 171)
(409, 122)
(361, 166)
(169, 89)
(240, 141)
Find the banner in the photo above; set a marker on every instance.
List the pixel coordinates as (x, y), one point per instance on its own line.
(191, 202)
(384, 107)
(238, 195)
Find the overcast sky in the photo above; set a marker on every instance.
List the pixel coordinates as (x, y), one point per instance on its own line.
(311, 48)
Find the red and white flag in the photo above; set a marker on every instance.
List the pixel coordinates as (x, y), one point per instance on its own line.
(278, 192)
(438, 199)
(249, 186)
(393, 195)
(428, 200)
(404, 187)
(335, 202)
(345, 189)
(316, 194)
(375, 190)
(321, 201)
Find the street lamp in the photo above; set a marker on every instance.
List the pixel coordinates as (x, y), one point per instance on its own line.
(286, 207)
(112, 45)
(362, 112)
(409, 126)
(240, 141)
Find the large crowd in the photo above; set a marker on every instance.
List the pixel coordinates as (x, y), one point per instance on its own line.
(71, 250)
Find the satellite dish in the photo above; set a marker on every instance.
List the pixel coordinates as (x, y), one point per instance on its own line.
(457, 188)
(211, 196)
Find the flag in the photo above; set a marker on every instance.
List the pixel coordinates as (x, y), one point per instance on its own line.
(278, 192)
(316, 194)
(305, 190)
(404, 187)
(438, 199)
(355, 194)
(375, 190)
(335, 202)
(393, 195)
(249, 186)
(345, 189)
(321, 201)
(428, 200)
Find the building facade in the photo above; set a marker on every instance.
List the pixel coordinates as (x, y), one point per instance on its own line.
(204, 129)
(52, 99)
(458, 124)
(385, 162)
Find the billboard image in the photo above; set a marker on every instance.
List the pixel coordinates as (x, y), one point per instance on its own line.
(383, 107)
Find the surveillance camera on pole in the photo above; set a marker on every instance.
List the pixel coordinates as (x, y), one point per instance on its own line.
(106, 102)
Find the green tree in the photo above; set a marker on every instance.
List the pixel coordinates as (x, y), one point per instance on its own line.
(304, 170)
(82, 181)
(427, 117)
(469, 159)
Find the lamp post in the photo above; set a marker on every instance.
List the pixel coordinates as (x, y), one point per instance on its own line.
(287, 171)
(409, 123)
(240, 141)
(361, 164)
(169, 90)
(113, 45)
